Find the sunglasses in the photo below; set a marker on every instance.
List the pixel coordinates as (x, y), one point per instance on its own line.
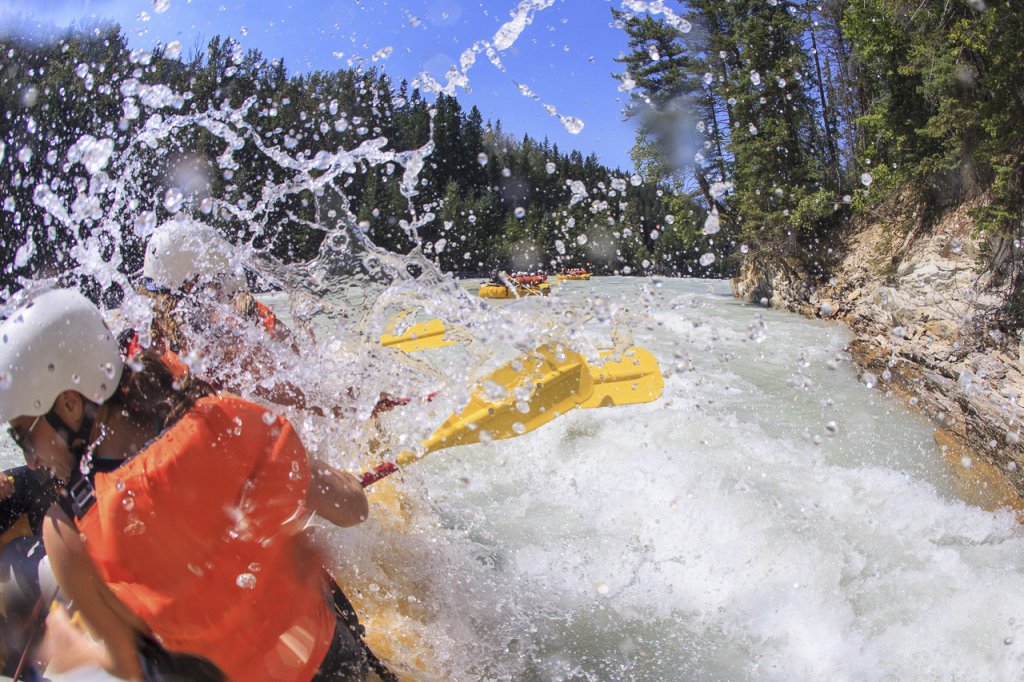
(21, 438)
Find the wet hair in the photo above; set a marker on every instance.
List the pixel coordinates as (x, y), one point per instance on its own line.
(151, 395)
(245, 305)
(167, 324)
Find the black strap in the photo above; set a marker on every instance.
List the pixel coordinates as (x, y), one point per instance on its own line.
(347, 613)
(160, 665)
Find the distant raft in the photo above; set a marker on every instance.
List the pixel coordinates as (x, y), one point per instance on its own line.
(490, 290)
(573, 275)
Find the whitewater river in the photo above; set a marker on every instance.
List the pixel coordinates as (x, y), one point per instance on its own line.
(770, 518)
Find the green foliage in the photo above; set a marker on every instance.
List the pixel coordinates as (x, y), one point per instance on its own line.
(795, 102)
(484, 200)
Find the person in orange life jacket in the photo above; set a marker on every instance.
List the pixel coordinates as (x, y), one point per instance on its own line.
(194, 279)
(183, 509)
(190, 272)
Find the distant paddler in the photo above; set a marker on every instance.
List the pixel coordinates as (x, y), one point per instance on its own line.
(502, 285)
(575, 274)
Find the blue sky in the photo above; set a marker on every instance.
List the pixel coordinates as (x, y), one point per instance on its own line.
(563, 59)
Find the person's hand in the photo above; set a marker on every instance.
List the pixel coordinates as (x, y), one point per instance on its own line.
(6, 486)
(68, 650)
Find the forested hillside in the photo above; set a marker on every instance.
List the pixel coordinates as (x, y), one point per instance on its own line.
(486, 197)
(796, 119)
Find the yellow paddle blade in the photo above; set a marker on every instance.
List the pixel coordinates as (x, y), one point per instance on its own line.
(420, 336)
(632, 379)
(545, 384)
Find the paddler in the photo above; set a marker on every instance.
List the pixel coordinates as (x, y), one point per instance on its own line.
(25, 496)
(181, 514)
(198, 285)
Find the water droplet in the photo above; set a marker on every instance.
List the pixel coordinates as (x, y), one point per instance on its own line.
(755, 78)
(269, 417)
(707, 259)
(520, 212)
(161, 6)
(866, 179)
(482, 159)
(573, 124)
(752, 128)
(134, 526)
(955, 246)
(636, 180)
(254, 567)
(519, 428)
(173, 49)
(523, 406)
(712, 224)
(128, 502)
(831, 428)
(550, 168)
(601, 588)
(581, 239)
(966, 462)
(172, 199)
(196, 570)
(246, 581)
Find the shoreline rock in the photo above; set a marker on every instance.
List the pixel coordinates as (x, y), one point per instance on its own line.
(918, 314)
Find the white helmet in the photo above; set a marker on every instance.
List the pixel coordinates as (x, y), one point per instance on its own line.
(56, 342)
(183, 248)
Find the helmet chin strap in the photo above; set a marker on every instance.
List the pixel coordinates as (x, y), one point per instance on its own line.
(77, 441)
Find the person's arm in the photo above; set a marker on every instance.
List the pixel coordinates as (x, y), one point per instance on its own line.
(112, 622)
(336, 495)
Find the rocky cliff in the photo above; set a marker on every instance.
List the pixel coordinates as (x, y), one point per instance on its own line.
(920, 305)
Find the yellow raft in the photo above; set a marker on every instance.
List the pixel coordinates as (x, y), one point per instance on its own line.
(499, 291)
(584, 275)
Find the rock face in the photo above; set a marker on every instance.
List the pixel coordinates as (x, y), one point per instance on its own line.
(920, 313)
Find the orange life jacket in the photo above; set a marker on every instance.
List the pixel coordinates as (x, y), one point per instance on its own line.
(173, 360)
(170, 358)
(268, 318)
(195, 534)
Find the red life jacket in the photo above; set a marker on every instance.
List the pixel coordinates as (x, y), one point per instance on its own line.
(268, 319)
(196, 535)
(170, 358)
